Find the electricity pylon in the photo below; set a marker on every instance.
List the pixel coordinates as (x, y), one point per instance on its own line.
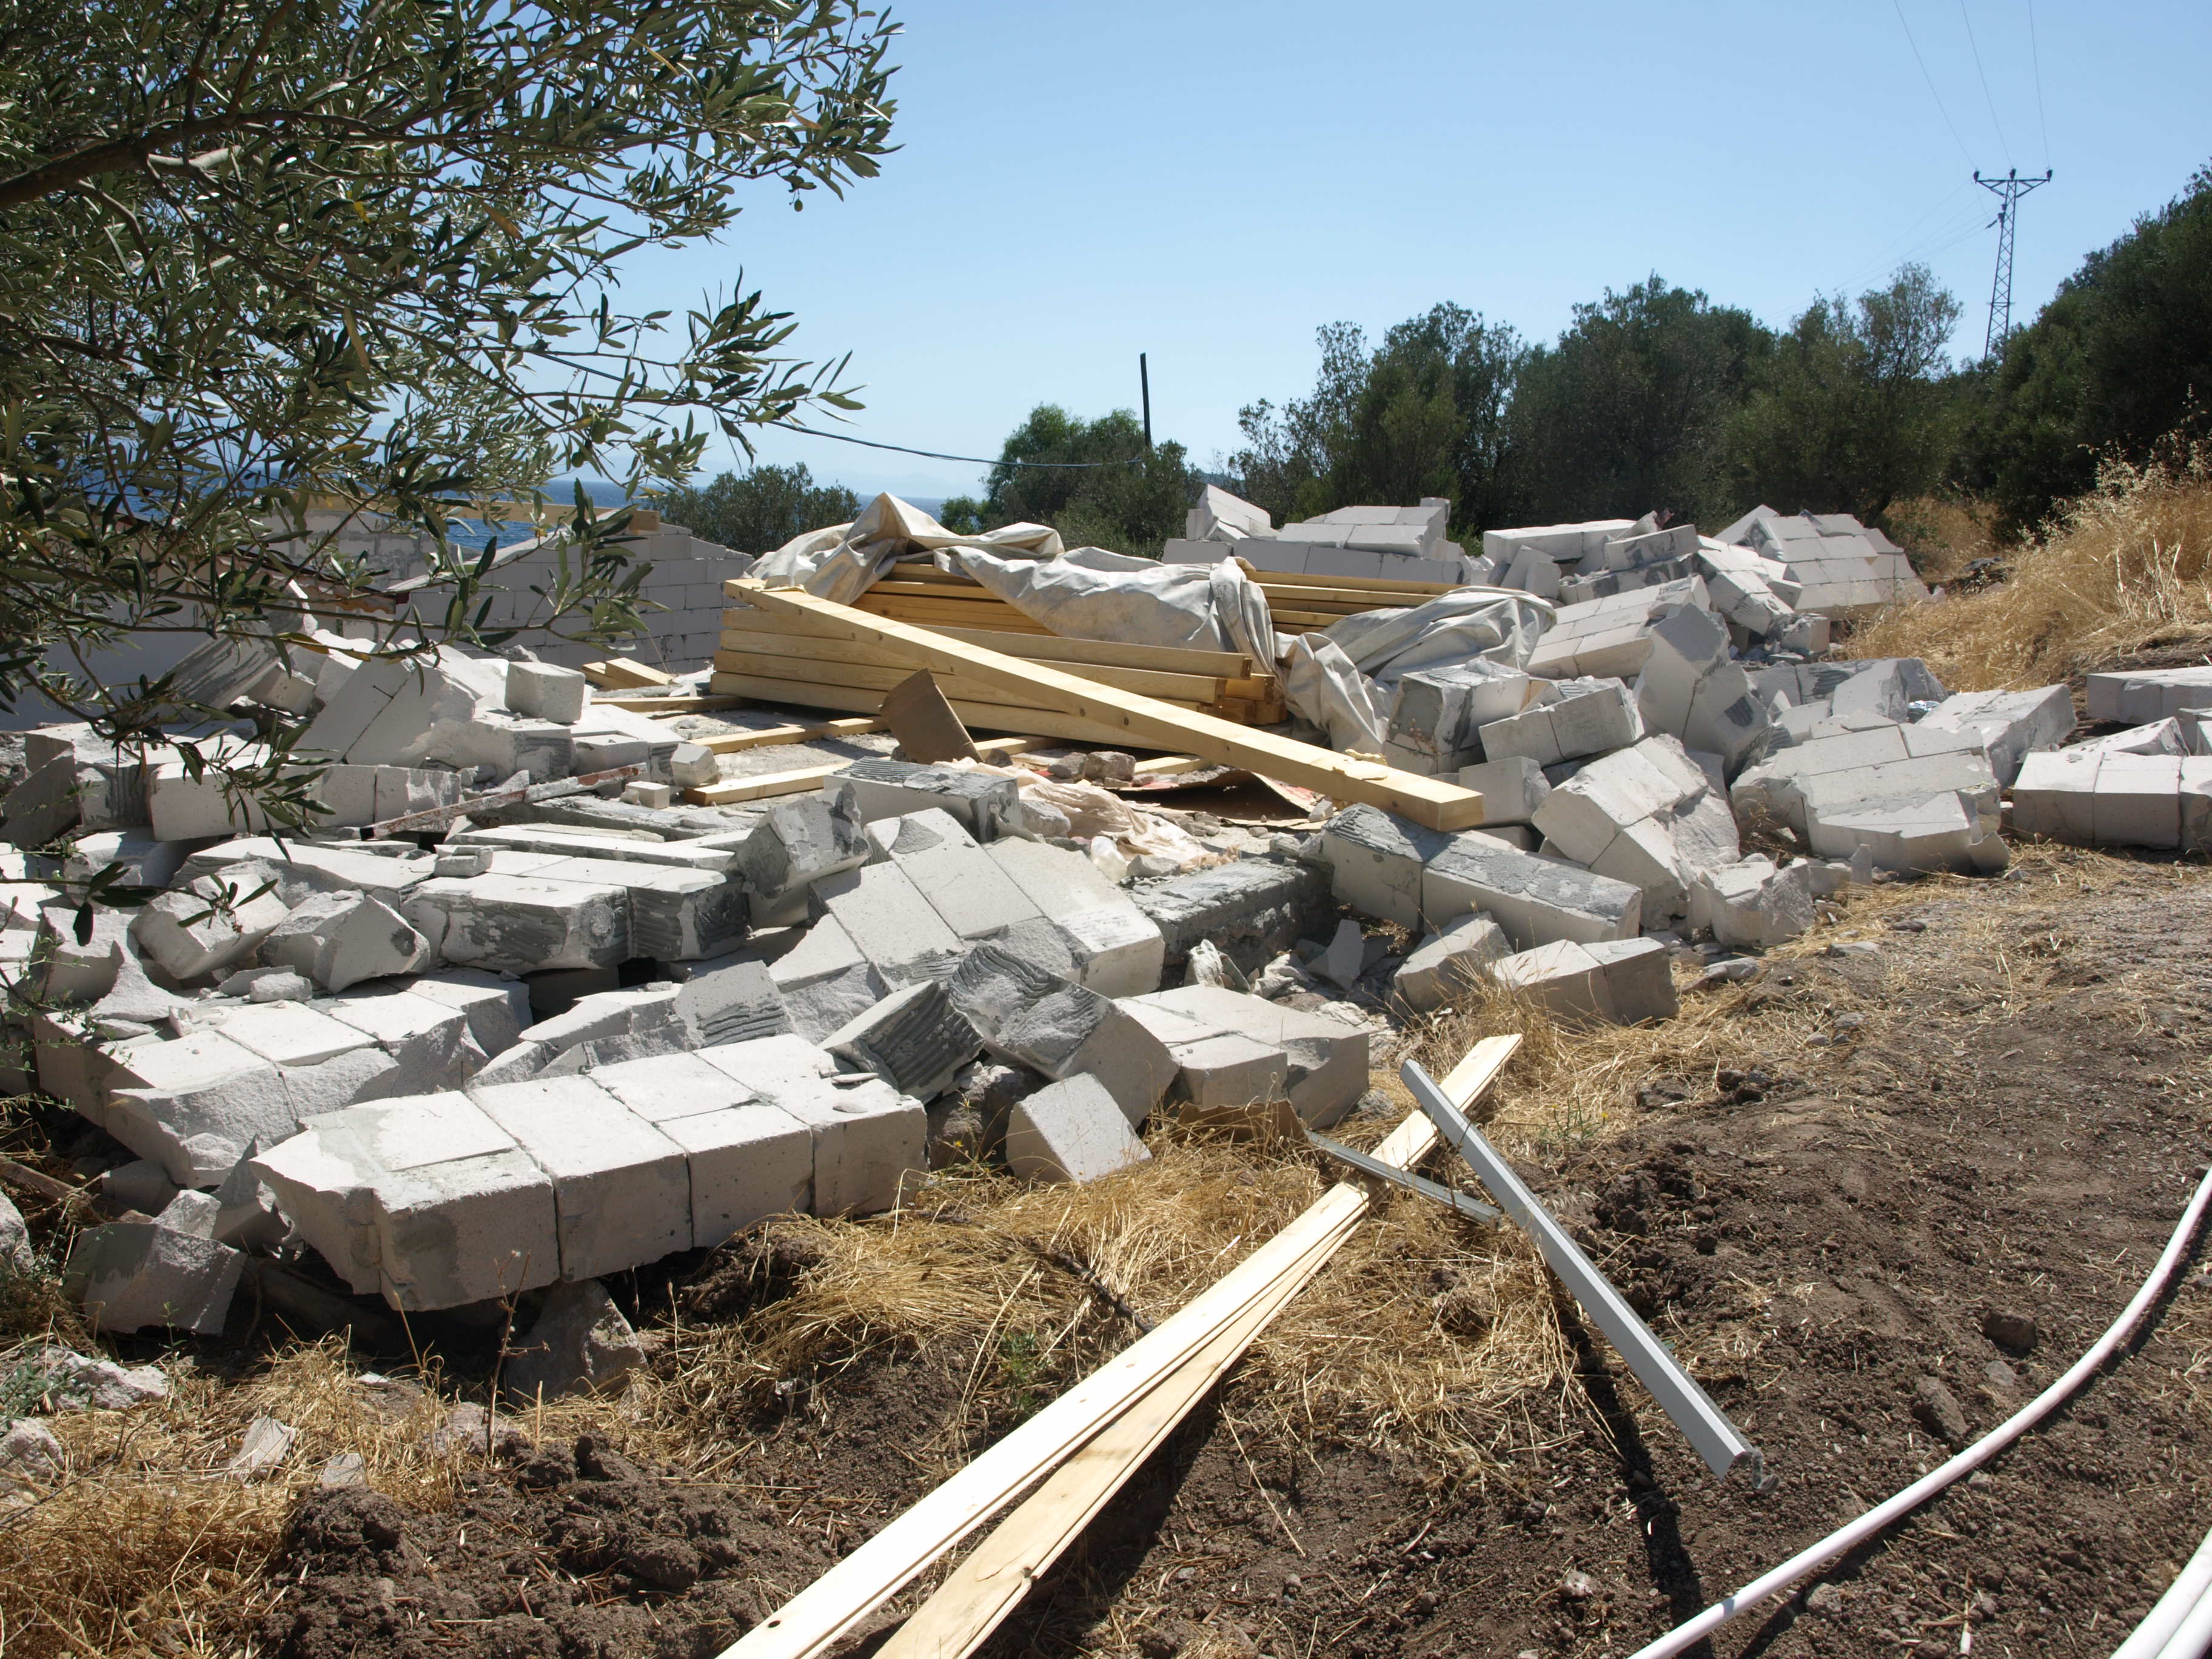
(2008, 190)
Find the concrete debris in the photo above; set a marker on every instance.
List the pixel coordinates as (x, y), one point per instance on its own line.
(1072, 1130)
(61, 1379)
(2093, 797)
(915, 1040)
(580, 1343)
(338, 940)
(1692, 688)
(1448, 963)
(2011, 725)
(1621, 981)
(2136, 695)
(213, 925)
(1752, 904)
(1028, 1017)
(262, 1450)
(132, 1274)
(1230, 1051)
(1646, 815)
(1512, 787)
(1250, 909)
(1580, 717)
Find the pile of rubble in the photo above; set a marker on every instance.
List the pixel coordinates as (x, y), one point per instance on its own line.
(486, 1028)
(1394, 544)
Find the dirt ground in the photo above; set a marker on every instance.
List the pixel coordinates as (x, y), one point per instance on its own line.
(1955, 1100)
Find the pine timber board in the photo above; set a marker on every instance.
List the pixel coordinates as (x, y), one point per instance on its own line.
(992, 1580)
(976, 716)
(1379, 584)
(768, 737)
(1054, 647)
(666, 705)
(874, 675)
(1431, 802)
(760, 642)
(813, 1621)
(621, 672)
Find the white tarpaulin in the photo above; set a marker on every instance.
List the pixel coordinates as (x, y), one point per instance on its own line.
(1090, 593)
(843, 561)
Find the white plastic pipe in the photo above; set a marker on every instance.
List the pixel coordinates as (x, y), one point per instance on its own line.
(1851, 1536)
(2195, 1634)
(2150, 1637)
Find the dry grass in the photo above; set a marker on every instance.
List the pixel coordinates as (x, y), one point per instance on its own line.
(2124, 570)
(1943, 537)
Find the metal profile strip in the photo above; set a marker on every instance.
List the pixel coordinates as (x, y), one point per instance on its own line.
(1714, 1438)
(1473, 1209)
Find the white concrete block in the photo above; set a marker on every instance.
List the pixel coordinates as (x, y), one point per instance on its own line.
(869, 1141)
(1535, 900)
(1590, 717)
(825, 981)
(888, 919)
(1071, 1130)
(428, 1039)
(2011, 725)
(339, 939)
(548, 692)
(1376, 860)
(216, 923)
(302, 868)
(1030, 1017)
(2137, 801)
(497, 1009)
(1116, 950)
(194, 1105)
(1752, 905)
(1512, 787)
(797, 844)
(131, 1275)
(2136, 695)
(1447, 964)
(290, 1033)
(1325, 1061)
(522, 923)
(915, 1040)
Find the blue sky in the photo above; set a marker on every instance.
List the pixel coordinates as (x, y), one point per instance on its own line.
(1208, 182)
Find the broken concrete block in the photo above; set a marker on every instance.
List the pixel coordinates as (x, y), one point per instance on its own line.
(140, 1185)
(1072, 1130)
(1618, 980)
(1752, 905)
(825, 981)
(31, 1453)
(915, 1039)
(969, 890)
(1028, 1017)
(1589, 717)
(1646, 815)
(621, 1190)
(1447, 964)
(338, 940)
(1512, 787)
(1692, 688)
(566, 840)
(1324, 1061)
(731, 1001)
(693, 766)
(657, 795)
(675, 914)
(1533, 900)
(891, 789)
(1116, 950)
(889, 922)
(522, 923)
(580, 1343)
(2011, 725)
(1345, 956)
(496, 1009)
(290, 1033)
(1376, 860)
(1934, 812)
(797, 844)
(194, 1105)
(1843, 751)
(302, 868)
(214, 924)
(868, 1140)
(130, 1275)
(2135, 696)
(549, 693)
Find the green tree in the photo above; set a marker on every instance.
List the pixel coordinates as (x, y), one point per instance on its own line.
(255, 254)
(1855, 409)
(1093, 481)
(1630, 410)
(2121, 357)
(1423, 414)
(758, 510)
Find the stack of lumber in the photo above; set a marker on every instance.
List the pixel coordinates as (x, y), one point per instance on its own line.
(1306, 605)
(775, 656)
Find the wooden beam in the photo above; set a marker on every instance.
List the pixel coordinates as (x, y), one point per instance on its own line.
(757, 643)
(668, 705)
(1378, 584)
(811, 1621)
(861, 668)
(1053, 647)
(800, 779)
(619, 672)
(768, 737)
(1429, 801)
(976, 716)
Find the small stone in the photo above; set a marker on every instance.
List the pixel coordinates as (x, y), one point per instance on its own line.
(1110, 765)
(1937, 1410)
(29, 1451)
(345, 1469)
(2001, 1376)
(1578, 1587)
(641, 793)
(1152, 866)
(463, 862)
(2015, 1331)
(1825, 1602)
(266, 1445)
(15, 1237)
(693, 766)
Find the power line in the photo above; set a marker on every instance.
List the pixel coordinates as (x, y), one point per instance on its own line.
(938, 455)
(2035, 57)
(1964, 152)
(2002, 143)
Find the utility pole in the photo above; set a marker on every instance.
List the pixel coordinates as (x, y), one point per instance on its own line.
(1145, 384)
(2007, 190)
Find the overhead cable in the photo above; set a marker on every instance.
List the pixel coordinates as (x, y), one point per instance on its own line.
(935, 455)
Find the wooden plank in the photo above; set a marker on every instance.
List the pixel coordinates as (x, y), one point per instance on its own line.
(1110, 653)
(761, 642)
(1431, 802)
(976, 716)
(620, 672)
(923, 722)
(1378, 584)
(768, 737)
(800, 779)
(669, 705)
(815, 1618)
(876, 677)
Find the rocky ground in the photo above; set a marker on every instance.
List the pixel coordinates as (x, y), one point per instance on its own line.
(1971, 1123)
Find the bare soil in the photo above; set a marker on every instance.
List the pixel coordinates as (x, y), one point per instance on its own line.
(2007, 1124)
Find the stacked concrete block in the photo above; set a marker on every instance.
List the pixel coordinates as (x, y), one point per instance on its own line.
(1644, 815)
(1027, 1017)
(1610, 637)
(1561, 543)
(749, 1159)
(2137, 695)
(1436, 715)
(675, 914)
(1113, 947)
(621, 1187)
(1620, 981)
(1940, 812)
(1752, 904)
(1222, 517)
(2011, 725)
(869, 1141)
(1230, 1050)
(423, 1200)
(1692, 688)
(1777, 787)
(889, 922)
(1838, 564)
(2099, 799)
(1070, 1131)
(1375, 861)
(301, 869)
(891, 789)
(1250, 909)
(1535, 900)
(970, 892)
(1448, 963)
(193, 1105)
(1585, 717)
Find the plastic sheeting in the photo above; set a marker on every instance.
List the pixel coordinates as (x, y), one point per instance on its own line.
(1091, 593)
(843, 561)
(1343, 680)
